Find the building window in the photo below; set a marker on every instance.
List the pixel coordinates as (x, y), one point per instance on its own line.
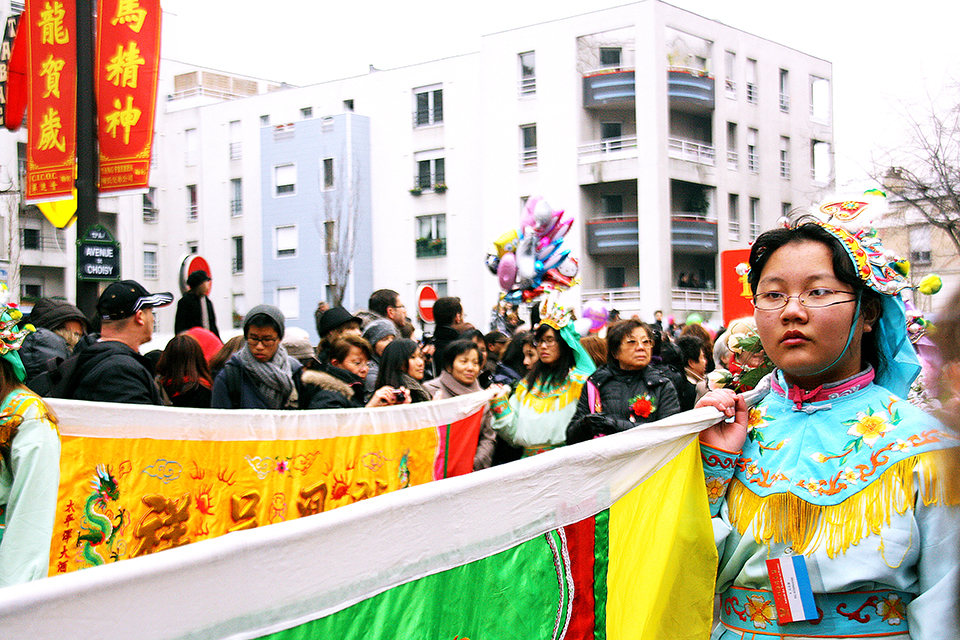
(784, 91)
(285, 178)
(432, 236)
(430, 171)
(150, 271)
(348, 104)
(236, 146)
(331, 243)
(819, 99)
(785, 157)
(733, 157)
(192, 206)
(733, 216)
(820, 161)
(785, 209)
(528, 74)
(611, 206)
(328, 174)
(440, 286)
(528, 137)
(753, 161)
(306, 113)
(150, 212)
(30, 239)
(326, 124)
(236, 260)
(288, 300)
(239, 309)
(611, 136)
(429, 106)
(286, 241)
(191, 145)
(30, 291)
(265, 121)
(752, 92)
(920, 244)
(193, 247)
(236, 197)
(754, 218)
(730, 63)
(610, 56)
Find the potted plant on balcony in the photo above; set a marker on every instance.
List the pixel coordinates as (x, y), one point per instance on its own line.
(416, 191)
(440, 187)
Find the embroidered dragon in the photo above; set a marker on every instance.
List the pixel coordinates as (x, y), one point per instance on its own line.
(97, 526)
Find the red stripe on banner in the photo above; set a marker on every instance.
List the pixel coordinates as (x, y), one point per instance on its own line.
(52, 99)
(461, 445)
(127, 67)
(580, 542)
(19, 82)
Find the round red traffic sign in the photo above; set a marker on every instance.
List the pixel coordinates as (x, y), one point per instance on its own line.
(192, 262)
(426, 296)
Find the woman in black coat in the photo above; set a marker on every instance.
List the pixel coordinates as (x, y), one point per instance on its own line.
(626, 391)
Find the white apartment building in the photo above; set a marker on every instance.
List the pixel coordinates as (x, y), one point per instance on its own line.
(669, 137)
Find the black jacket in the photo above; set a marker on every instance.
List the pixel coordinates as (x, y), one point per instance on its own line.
(617, 388)
(188, 313)
(333, 388)
(113, 372)
(40, 347)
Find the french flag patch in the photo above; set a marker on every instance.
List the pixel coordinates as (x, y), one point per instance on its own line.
(791, 589)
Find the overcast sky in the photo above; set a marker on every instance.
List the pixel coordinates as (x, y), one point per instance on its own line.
(886, 55)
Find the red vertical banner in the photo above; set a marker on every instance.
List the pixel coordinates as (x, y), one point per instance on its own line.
(127, 67)
(51, 99)
(737, 297)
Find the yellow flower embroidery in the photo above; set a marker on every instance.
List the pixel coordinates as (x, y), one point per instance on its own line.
(811, 485)
(891, 609)
(849, 475)
(819, 457)
(870, 427)
(761, 612)
(757, 417)
(901, 445)
(752, 469)
(716, 488)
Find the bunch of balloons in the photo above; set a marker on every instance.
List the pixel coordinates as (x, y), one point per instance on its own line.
(531, 260)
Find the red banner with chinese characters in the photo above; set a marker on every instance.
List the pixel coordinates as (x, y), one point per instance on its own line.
(51, 99)
(737, 297)
(127, 65)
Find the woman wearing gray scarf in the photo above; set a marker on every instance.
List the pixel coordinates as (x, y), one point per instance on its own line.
(261, 375)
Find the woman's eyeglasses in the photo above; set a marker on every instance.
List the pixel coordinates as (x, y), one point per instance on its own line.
(811, 298)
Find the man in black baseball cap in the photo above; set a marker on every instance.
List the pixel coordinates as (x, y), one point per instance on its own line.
(112, 369)
(195, 308)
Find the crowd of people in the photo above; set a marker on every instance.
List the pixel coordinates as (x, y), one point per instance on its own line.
(828, 323)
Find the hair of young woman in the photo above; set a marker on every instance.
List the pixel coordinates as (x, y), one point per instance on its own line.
(843, 269)
(596, 347)
(619, 332)
(182, 365)
(340, 348)
(457, 348)
(395, 361)
(220, 358)
(690, 348)
(544, 374)
(513, 352)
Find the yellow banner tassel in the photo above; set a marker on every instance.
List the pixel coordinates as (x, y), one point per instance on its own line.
(788, 519)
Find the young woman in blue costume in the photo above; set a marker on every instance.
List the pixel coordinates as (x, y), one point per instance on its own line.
(29, 465)
(536, 416)
(832, 465)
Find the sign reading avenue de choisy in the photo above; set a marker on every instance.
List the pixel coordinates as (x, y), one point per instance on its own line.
(98, 255)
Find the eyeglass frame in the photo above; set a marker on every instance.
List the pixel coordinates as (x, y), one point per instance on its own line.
(799, 298)
(267, 342)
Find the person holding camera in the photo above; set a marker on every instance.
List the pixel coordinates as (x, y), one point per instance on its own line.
(340, 386)
(402, 367)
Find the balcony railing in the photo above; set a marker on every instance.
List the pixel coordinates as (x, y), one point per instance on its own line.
(692, 151)
(610, 146)
(753, 162)
(785, 169)
(236, 150)
(150, 214)
(31, 240)
(784, 103)
(731, 88)
(528, 159)
(236, 208)
(192, 212)
(754, 231)
(626, 297)
(695, 299)
(431, 247)
(427, 117)
(752, 93)
(527, 87)
(733, 229)
(733, 160)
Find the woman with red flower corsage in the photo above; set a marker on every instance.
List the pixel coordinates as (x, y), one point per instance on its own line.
(625, 391)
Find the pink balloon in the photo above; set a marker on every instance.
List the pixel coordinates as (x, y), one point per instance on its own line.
(596, 311)
(507, 271)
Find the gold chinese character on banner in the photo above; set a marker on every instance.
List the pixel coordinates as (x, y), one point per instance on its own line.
(51, 68)
(52, 29)
(130, 14)
(164, 526)
(123, 68)
(50, 130)
(123, 117)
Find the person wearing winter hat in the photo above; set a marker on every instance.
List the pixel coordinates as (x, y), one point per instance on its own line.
(297, 343)
(332, 324)
(379, 333)
(195, 308)
(261, 375)
(60, 325)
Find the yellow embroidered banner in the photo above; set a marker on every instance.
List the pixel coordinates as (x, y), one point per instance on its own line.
(136, 480)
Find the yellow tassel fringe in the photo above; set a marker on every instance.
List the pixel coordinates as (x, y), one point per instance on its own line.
(788, 519)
